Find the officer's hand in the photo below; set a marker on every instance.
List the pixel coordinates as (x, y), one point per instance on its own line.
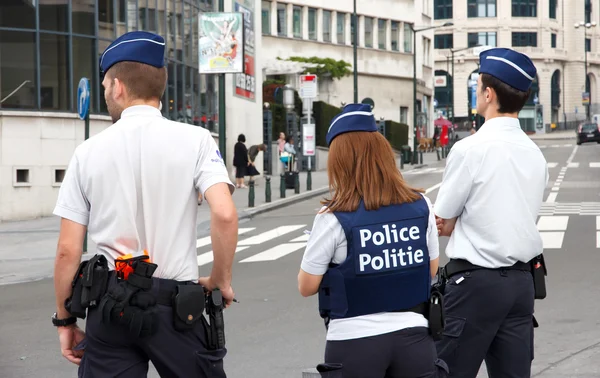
(226, 292)
(445, 226)
(69, 337)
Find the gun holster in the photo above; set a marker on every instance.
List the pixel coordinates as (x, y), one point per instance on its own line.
(188, 305)
(330, 370)
(216, 328)
(437, 321)
(539, 272)
(88, 286)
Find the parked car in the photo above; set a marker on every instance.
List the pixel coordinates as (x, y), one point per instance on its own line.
(588, 132)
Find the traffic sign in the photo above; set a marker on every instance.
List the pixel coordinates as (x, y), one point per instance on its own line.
(308, 86)
(308, 139)
(83, 98)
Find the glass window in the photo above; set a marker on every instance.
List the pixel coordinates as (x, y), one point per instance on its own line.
(187, 30)
(84, 62)
(54, 72)
(553, 40)
(266, 17)
(132, 19)
(312, 24)
(171, 109)
(588, 11)
(281, 20)
(553, 9)
(54, 17)
(354, 23)
(106, 27)
(17, 14)
(121, 11)
(297, 21)
(195, 37)
(482, 39)
(588, 45)
(83, 17)
(520, 39)
(103, 45)
(442, 9)
(326, 26)
(481, 8)
(142, 14)
(368, 31)
(524, 8)
(395, 35)
(381, 34)
(408, 38)
(443, 41)
(341, 28)
(182, 101)
(17, 70)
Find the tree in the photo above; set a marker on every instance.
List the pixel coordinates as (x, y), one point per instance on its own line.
(327, 67)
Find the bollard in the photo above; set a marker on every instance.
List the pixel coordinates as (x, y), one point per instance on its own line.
(437, 152)
(297, 184)
(251, 193)
(402, 161)
(268, 189)
(308, 181)
(420, 157)
(443, 156)
(282, 187)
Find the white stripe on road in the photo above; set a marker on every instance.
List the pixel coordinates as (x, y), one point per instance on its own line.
(598, 223)
(301, 238)
(552, 165)
(597, 239)
(206, 240)
(556, 223)
(573, 165)
(207, 258)
(429, 190)
(271, 234)
(551, 197)
(275, 252)
(552, 240)
(594, 165)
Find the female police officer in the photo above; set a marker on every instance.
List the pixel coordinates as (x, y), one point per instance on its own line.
(371, 255)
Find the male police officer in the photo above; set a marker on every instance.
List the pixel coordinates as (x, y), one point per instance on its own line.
(488, 204)
(135, 188)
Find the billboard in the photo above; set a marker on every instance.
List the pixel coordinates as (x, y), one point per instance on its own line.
(244, 84)
(221, 43)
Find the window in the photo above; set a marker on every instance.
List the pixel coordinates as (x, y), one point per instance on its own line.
(588, 45)
(84, 65)
(426, 48)
(106, 27)
(59, 176)
(481, 8)
(524, 8)
(443, 41)
(553, 40)
(588, 11)
(21, 177)
(297, 21)
(381, 34)
(281, 20)
(404, 114)
(368, 31)
(408, 38)
(266, 17)
(17, 70)
(54, 17)
(442, 9)
(340, 28)
(553, 4)
(54, 72)
(521, 39)
(312, 24)
(326, 26)
(395, 35)
(482, 39)
(17, 14)
(354, 24)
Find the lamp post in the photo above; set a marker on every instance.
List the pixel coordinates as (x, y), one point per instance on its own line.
(586, 25)
(415, 31)
(355, 52)
(288, 103)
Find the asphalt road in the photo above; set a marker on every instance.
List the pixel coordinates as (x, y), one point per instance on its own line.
(274, 332)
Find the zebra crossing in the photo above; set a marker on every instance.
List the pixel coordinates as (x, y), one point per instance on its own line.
(570, 208)
(543, 146)
(553, 228)
(592, 164)
(422, 171)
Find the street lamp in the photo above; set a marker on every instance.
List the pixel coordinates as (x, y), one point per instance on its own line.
(587, 25)
(415, 31)
(288, 97)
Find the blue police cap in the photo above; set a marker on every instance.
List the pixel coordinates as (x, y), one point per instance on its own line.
(136, 46)
(508, 66)
(354, 117)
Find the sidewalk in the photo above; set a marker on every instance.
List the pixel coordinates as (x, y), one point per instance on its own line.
(555, 135)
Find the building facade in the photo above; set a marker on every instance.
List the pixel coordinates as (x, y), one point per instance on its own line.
(312, 28)
(46, 46)
(566, 56)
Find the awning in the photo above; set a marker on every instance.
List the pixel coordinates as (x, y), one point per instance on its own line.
(285, 67)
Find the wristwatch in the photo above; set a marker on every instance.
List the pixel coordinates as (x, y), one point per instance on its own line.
(63, 322)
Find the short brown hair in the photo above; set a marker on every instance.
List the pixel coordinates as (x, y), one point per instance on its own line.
(510, 100)
(143, 81)
(362, 165)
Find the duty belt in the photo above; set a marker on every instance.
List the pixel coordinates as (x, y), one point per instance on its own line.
(456, 266)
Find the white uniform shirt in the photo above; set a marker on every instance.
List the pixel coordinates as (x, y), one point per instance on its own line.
(326, 244)
(135, 185)
(494, 183)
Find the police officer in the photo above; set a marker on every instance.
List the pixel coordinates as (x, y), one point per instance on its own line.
(134, 187)
(488, 204)
(371, 254)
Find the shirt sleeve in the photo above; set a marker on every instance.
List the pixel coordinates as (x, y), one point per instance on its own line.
(72, 202)
(210, 167)
(456, 186)
(433, 243)
(321, 246)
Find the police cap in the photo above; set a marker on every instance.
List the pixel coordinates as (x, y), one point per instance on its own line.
(508, 66)
(354, 117)
(137, 46)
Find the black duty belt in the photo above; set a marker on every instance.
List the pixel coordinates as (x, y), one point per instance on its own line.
(167, 289)
(456, 266)
(419, 309)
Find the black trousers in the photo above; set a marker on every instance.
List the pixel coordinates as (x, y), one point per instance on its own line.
(408, 353)
(111, 352)
(489, 316)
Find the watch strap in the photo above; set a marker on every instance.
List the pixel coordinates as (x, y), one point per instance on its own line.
(63, 322)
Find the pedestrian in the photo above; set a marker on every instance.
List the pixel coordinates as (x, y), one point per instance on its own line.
(488, 204)
(252, 153)
(240, 161)
(371, 255)
(134, 188)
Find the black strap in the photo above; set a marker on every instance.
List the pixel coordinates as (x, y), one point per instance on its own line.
(421, 308)
(456, 266)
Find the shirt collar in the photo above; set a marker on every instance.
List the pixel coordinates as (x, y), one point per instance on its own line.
(504, 122)
(136, 110)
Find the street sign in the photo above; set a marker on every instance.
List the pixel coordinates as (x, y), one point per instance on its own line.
(83, 98)
(308, 86)
(308, 139)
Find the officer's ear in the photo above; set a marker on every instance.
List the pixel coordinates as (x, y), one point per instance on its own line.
(119, 89)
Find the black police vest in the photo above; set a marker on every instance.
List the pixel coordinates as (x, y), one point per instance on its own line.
(387, 265)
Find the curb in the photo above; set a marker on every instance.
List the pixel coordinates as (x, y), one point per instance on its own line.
(555, 138)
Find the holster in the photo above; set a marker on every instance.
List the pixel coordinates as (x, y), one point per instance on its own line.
(188, 305)
(88, 286)
(330, 370)
(437, 321)
(216, 327)
(539, 272)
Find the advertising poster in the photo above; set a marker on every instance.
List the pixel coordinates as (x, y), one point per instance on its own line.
(245, 82)
(221, 43)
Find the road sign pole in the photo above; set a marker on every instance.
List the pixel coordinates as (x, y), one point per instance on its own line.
(83, 111)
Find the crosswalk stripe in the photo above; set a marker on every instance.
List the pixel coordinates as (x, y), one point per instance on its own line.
(275, 252)
(301, 238)
(552, 165)
(573, 165)
(206, 240)
(594, 165)
(271, 234)
(556, 223)
(598, 222)
(552, 240)
(597, 239)
(207, 258)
